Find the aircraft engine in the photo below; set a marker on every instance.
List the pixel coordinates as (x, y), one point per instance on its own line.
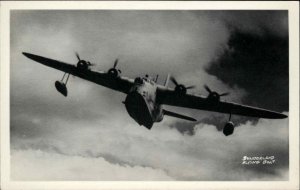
(83, 64)
(180, 88)
(214, 96)
(114, 71)
(228, 128)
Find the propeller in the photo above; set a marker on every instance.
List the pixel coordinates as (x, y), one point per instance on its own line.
(207, 89)
(213, 93)
(116, 63)
(83, 61)
(77, 55)
(180, 87)
(114, 71)
(174, 80)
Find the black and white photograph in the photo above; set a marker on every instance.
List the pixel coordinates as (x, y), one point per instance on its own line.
(150, 95)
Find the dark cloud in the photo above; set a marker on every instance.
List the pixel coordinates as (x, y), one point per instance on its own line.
(216, 120)
(187, 128)
(255, 59)
(275, 22)
(27, 128)
(257, 63)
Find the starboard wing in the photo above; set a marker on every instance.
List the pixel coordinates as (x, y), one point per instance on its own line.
(170, 97)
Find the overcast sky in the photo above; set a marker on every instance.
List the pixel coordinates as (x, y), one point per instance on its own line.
(90, 136)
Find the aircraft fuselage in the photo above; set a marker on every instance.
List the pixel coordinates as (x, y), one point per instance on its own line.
(141, 103)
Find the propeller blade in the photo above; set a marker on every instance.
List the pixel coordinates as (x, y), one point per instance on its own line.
(190, 87)
(224, 94)
(207, 88)
(174, 80)
(77, 55)
(116, 63)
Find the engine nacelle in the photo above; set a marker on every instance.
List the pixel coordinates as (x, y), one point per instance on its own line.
(61, 87)
(113, 72)
(213, 97)
(180, 89)
(82, 64)
(228, 128)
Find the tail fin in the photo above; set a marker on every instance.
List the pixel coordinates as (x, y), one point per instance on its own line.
(169, 113)
(156, 78)
(167, 80)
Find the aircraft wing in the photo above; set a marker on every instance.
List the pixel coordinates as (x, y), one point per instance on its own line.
(172, 98)
(121, 84)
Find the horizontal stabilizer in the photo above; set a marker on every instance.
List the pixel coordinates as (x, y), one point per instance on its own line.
(169, 113)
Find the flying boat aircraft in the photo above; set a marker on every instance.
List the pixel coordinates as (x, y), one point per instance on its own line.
(145, 97)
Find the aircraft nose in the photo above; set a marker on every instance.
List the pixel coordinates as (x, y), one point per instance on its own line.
(133, 97)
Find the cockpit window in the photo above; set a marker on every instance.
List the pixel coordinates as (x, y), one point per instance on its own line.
(138, 80)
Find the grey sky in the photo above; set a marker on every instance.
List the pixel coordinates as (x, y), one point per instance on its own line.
(90, 136)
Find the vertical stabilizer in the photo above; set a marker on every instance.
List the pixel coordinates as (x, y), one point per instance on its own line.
(167, 81)
(156, 78)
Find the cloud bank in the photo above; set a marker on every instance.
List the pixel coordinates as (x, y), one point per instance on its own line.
(159, 154)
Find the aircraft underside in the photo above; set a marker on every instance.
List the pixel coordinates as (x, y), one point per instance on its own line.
(138, 109)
